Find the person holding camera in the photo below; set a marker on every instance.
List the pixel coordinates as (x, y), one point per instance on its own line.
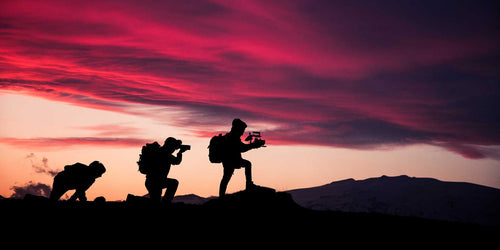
(233, 160)
(156, 177)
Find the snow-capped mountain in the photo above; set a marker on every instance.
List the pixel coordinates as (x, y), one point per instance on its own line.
(406, 196)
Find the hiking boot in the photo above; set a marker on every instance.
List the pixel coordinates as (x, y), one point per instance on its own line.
(251, 186)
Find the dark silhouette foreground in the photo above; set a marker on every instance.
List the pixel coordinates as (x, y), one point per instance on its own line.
(271, 218)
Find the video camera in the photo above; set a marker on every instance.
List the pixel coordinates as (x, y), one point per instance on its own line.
(254, 137)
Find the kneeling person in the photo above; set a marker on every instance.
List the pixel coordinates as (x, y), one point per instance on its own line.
(159, 167)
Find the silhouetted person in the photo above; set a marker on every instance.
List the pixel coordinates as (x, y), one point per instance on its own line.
(156, 176)
(77, 176)
(233, 160)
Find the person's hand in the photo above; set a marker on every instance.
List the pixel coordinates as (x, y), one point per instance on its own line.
(259, 143)
(184, 148)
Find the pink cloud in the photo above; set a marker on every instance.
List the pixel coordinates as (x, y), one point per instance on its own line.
(331, 73)
(111, 130)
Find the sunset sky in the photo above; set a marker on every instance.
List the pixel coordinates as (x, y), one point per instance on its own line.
(339, 89)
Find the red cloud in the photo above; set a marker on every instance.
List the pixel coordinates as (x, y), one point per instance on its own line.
(330, 73)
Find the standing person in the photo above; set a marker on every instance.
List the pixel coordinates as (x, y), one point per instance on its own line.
(157, 166)
(232, 157)
(77, 176)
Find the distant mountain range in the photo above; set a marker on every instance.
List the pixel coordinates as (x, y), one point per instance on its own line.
(192, 199)
(406, 196)
(401, 195)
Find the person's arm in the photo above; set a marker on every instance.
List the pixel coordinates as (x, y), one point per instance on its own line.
(245, 147)
(80, 194)
(257, 144)
(176, 160)
(74, 196)
(80, 191)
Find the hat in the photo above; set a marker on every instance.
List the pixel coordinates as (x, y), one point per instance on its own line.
(239, 123)
(98, 167)
(171, 141)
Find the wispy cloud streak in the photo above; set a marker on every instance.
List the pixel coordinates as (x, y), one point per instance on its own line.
(66, 142)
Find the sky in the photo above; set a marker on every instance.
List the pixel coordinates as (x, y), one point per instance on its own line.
(339, 89)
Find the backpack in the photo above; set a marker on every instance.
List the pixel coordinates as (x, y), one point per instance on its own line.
(148, 157)
(75, 167)
(217, 148)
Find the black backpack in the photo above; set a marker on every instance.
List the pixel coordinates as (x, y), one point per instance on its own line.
(217, 148)
(149, 155)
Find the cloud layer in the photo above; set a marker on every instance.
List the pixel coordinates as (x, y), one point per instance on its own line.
(336, 73)
(38, 189)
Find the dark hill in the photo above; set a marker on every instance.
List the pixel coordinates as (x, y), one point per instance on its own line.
(262, 218)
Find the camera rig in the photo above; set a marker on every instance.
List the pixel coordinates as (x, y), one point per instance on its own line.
(185, 147)
(253, 137)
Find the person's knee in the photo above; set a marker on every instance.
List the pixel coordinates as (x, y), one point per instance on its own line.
(246, 164)
(172, 183)
(175, 182)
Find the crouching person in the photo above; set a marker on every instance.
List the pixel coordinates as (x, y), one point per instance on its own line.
(78, 177)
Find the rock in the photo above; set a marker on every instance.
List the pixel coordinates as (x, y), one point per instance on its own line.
(258, 199)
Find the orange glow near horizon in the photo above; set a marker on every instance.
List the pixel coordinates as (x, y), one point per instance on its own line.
(282, 167)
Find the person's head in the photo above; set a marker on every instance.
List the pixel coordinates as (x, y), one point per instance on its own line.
(98, 168)
(171, 144)
(238, 127)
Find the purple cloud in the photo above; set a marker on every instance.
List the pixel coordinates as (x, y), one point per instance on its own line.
(343, 74)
